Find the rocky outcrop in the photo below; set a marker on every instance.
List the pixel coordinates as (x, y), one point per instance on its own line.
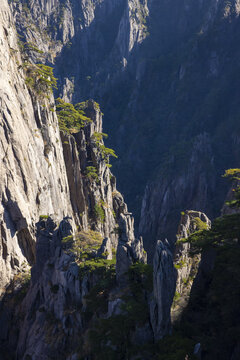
(164, 280)
(190, 222)
(57, 311)
(186, 263)
(54, 297)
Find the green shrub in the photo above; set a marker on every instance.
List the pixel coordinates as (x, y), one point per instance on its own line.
(105, 152)
(111, 338)
(43, 217)
(201, 225)
(234, 175)
(84, 241)
(97, 137)
(225, 230)
(40, 78)
(180, 265)
(21, 282)
(32, 47)
(176, 297)
(175, 347)
(181, 241)
(92, 173)
(141, 274)
(99, 212)
(67, 242)
(26, 47)
(97, 298)
(70, 118)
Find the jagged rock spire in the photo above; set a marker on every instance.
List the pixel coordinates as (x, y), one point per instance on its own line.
(129, 248)
(164, 283)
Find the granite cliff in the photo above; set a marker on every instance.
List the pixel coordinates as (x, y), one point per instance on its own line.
(33, 182)
(163, 71)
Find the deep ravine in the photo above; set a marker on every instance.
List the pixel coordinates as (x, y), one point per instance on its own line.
(76, 282)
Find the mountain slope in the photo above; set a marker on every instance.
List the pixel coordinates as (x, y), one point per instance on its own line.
(165, 74)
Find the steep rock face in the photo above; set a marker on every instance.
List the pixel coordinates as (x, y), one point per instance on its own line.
(55, 289)
(164, 279)
(33, 174)
(185, 262)
(88, 194)
(55, 297)
(94, 32)
(163, 199)
(40, 166)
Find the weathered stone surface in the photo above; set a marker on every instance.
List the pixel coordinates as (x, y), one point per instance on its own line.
(227, 210)
(32, 182)
(105, 250)
(164, 284)
(55, 287)
(129, 248)
(114, 307)
(71, 28)
(185, 263)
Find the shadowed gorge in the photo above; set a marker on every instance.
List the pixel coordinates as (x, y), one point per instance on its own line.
(119, 232)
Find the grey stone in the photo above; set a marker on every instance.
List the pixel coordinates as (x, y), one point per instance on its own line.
(198, 351)
(164, 284)
(105, 250)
